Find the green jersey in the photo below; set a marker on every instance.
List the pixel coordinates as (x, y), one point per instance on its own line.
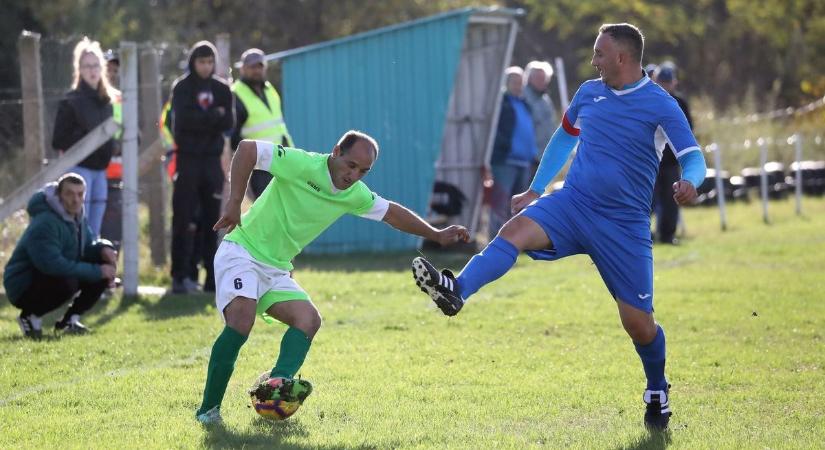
(298, 205)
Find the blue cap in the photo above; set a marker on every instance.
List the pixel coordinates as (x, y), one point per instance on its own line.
(665, 73)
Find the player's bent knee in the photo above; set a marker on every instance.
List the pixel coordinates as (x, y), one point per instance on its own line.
(524, 234)
(640, 331)
(309, 323)
(240, 315)
(638, 324)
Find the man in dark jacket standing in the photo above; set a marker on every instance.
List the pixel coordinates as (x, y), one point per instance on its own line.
(56, 260)
(665, 207)
(202, 105)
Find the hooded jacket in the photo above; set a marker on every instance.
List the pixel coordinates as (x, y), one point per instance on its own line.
(79, 113)
(198, 125)
(54, 243)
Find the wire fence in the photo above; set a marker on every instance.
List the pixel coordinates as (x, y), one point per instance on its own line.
(57, 75)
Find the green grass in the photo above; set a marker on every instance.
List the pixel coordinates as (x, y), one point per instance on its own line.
(537, 359)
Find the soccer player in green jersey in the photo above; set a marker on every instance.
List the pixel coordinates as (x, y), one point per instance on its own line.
(309, 192)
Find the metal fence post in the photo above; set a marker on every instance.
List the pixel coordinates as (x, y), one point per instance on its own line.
(128, 84)
(720, 187)
(797, 138)
(763, 176)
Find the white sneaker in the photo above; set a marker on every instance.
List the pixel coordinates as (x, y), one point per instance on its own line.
(191, 285)
(31, 326)
(211, 417)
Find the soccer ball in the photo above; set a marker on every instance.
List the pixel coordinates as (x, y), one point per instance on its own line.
(267, 399)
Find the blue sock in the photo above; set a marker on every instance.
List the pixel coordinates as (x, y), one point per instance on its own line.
(493, 262)
(653, 360)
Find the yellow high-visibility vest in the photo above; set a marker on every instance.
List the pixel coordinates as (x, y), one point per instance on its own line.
(114, 171)
(166, 135)
(117, 114)
(262, 123)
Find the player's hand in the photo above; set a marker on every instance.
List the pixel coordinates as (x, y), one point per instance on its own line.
(684, 192)
(230, 219)
(452, 234)
(107, 272)
(108, 255)
(520, 201)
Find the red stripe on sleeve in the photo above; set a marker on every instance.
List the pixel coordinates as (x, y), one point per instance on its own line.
(568, 127)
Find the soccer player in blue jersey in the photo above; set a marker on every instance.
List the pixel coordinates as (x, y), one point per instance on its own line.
(620, 123)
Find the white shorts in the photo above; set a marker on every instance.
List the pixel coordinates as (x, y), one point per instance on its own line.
(239, 274)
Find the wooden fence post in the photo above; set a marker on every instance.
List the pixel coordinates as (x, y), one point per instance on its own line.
(153, 184)
(31, 84)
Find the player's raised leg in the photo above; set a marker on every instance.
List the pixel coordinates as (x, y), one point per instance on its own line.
(450, 292)
(239, 315)
(649, 340)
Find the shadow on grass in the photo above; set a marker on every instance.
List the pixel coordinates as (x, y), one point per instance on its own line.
(48, 336)
(167, 307)
(651, 440)
(262, 434)
(4, 302)
(124, 303)
(368, 262)
(171, 306)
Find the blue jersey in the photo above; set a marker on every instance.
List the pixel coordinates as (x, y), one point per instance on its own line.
(622, 134)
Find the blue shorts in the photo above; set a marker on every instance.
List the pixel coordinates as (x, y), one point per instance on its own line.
(621, 250)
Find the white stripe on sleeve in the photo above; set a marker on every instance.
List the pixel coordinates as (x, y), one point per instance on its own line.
(379, 209)
(688, 150)
(265, 152)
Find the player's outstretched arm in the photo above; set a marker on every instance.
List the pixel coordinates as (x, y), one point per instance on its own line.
(243, 162)
(407, 221)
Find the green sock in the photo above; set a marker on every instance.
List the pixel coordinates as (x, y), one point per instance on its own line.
(294, 348)
(221, 364)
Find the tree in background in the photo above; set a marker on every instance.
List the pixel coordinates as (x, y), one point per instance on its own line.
(729, 49)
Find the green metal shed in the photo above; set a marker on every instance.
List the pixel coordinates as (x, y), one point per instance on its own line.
(428, 91)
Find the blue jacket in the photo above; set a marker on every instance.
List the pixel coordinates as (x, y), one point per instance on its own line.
(515, 137)
(54, 243)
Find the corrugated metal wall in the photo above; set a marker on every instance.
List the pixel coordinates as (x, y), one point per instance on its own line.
(473, 111)
(394, 84)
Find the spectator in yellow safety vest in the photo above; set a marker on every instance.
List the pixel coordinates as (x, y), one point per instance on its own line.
(257, 112)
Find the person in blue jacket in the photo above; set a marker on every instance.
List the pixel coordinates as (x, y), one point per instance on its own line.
(57, 260)
(514, 150)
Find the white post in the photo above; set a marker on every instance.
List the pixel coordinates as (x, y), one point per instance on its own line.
(720, 187)
(565, 102)
(797, 138)
(222, 65)
(763, 176)
(129, 87)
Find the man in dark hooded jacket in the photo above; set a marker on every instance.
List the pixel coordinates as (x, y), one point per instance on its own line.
(56, 260)
(202, 105)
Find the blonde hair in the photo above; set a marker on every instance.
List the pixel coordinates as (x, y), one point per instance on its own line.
(85, 47)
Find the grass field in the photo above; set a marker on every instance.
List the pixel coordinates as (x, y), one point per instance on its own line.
(537, 359)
